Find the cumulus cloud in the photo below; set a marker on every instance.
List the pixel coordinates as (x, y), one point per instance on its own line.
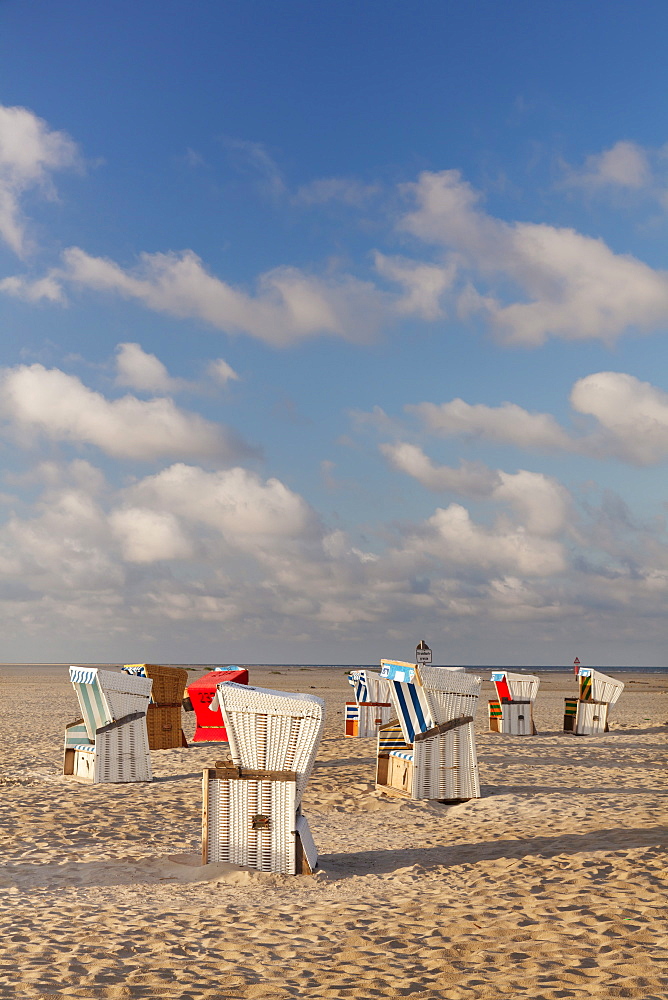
(540, 502)
(139, 370)
(149, 536)
(576, 287)
(624, 165)
(289, 305)
(424, 284)
(505, 424)
(633, 415)
(29, 152)
(55, 405)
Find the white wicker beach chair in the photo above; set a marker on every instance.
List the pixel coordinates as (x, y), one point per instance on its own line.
(251, 813)
(428, 751)
(372, 707)
(511, 712)
(110, 742)
(588, 714)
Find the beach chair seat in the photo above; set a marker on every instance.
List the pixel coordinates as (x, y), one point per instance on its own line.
(163, 717)
(372, 707)
(251, 805)
(511, 712)
(588, 714)
(428, 751)
(110, 742)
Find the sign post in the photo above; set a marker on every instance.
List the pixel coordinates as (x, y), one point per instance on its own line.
(422, 653)
(576, 665)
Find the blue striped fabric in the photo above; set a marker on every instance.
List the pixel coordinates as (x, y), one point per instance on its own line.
(357, 680)
(352, 710)
(391, 739)
(87, 747)
(403, 754)
(412, 708)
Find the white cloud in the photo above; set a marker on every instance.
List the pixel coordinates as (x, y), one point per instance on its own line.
(633, 415)
(149, 536)
(505, 424)
(139, 370)
(289, 306)
(46, 289)
(50, 403)
(576, 286)
(451, 536)
(540, 501)
(222, 372)
(29, 152)
(471, 479)
(425, 284)
(624, 165)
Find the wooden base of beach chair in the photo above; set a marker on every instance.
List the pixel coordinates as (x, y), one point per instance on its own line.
(513, 718)
(586, 718)
(250, 818)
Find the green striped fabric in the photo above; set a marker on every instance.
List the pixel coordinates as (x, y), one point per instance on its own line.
(75, 735)
(94, 708)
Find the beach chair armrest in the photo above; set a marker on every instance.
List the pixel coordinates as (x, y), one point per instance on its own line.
(444, 727)
(120, 722)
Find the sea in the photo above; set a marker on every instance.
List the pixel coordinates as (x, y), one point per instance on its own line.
(473, 667)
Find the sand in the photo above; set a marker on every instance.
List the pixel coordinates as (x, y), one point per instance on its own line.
(552, 885)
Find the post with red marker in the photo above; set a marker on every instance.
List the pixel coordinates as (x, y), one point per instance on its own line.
(576, 666)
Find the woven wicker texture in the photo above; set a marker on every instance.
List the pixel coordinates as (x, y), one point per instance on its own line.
(169, 683)
(446, 766)
(231, 837)
(272, 730)
(163, 724)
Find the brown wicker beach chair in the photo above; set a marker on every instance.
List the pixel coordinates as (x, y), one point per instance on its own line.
(163, 718)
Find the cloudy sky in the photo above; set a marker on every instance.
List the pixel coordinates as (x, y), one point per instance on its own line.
(329, 327)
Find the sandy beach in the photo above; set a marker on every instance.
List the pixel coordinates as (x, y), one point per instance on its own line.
(552, 885)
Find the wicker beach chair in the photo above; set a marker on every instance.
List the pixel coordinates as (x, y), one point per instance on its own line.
(428, 751)
(588, 714)
(511, 712)
(251, 805)
(372, 707)
(163, 718)
(110, 742)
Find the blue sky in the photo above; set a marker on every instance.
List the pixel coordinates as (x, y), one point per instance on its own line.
(329, 327)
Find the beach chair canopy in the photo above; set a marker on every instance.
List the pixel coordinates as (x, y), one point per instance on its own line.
(437, 696)
(597, 686)
(105, 696)
(515, 687)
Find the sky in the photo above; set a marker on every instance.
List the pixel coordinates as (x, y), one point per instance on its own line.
(331, 327)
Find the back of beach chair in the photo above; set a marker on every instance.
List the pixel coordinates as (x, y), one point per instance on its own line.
(372, 706)
(163, 719)
(110, 742)
(511, 713)
(252, 805)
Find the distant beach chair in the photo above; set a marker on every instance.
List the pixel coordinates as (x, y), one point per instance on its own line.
(588, 714)
(428, 751)
(110, 742)
(163, 718)
(251, 806)
(511, 712)
(372, 707)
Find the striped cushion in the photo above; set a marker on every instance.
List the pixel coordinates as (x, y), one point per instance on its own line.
(86, 747)
(412, 709)
(403, 754)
